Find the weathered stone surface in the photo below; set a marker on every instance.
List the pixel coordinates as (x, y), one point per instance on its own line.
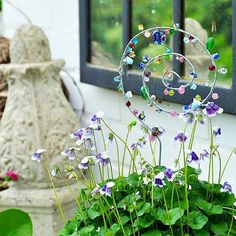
(37, 114)
(42, 207)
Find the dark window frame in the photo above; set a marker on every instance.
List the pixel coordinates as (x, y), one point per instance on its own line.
(103, 76)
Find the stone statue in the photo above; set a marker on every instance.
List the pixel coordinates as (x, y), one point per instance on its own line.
(37, 114)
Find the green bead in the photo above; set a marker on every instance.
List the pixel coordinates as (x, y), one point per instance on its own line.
(144, 92)
(171, 92)
(167, 57)
(172, 31)
(210, 43)
(120, 87)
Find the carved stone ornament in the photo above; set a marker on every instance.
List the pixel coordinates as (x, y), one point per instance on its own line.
(37, 114)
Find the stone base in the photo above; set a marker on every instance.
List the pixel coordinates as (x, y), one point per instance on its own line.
(41, 206)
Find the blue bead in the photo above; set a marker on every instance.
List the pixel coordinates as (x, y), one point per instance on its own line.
(146, 58)
(135, 41)
(141, 65)
(159, 37)
(117, 79)
(129, 49)
(216, 56)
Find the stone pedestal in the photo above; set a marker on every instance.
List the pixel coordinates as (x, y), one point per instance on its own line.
(42, 207)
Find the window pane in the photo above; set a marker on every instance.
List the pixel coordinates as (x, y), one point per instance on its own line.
(106, 32)
(150, 14)
(215, 19)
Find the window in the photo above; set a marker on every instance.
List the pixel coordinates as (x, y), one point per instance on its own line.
(106, 26)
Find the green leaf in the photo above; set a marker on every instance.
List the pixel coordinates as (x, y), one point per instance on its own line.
(157, 194)
(86, 231)
(197, 220)
(174, 215)
(14, 222)
(115, 228)
(133, 179)
(201, 232)
(220, 228)
(144, 208)
(144, 222)
(93, 211)
(154, 232)
(209, 208)
(124, 219)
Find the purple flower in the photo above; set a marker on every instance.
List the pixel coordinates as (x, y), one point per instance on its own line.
(169, 174)
(193, 157)
(103, 158)
(159, 180)
(95, 120)
(70, 152)
(38, 155)
(204, 154)
(84, 163)
(187, 116)
(212, 109)
(82, 135)
(226, 187)
(95, 191)
(106, 189)
(181, 137)
(217, 131)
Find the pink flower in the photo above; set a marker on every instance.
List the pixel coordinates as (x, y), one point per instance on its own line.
(13, 175)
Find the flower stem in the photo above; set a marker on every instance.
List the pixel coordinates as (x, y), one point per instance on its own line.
(54, 190)
(226, 164)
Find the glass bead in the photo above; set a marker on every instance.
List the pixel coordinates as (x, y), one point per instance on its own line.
(186, 39)
(168, 50)
(146, 58)
(172, 31)
(194, 41)
(147, 74)
(167, 31)
(141, 116)
(171, 93)
(181, 90)
(144, 92)
(193, 86)
(153, 97)
(166, 92)
(147, 34)
(128, 103)
(146, 79)
(129, 60)
(210, 43)
(198, 97)
(159, 37)
(128, 95)
(117, 79)
(215, 56)
(131, 45)
(120, 87)
(212, 67)
(140, 27)
(141, 65)
(215, 96)
(167, 57)
(222, 71)
(173, 113)
(193, 75)
(135, 112)
(134, 41)
(181, 59)
(158, 60)
(132, 54)
(129, 49)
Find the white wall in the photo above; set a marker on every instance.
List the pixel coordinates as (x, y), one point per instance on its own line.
(59, 19)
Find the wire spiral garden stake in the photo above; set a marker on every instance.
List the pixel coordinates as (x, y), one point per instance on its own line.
(158, 36)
